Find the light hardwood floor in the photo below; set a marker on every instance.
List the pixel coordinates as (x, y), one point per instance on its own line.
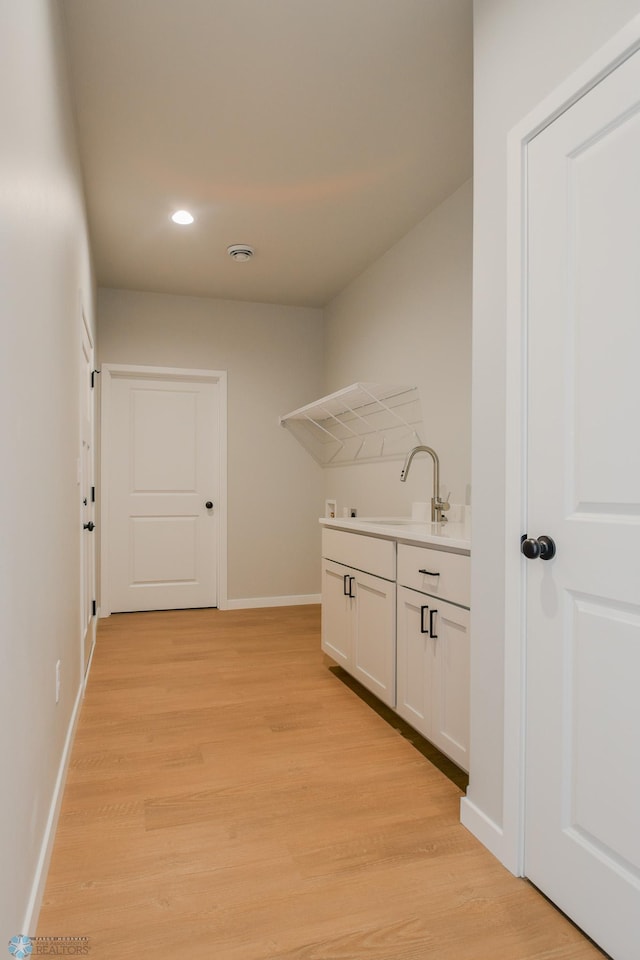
(229, 797)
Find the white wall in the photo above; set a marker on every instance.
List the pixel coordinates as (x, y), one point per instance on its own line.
(407, 319)
(44, 263)
(273, 356)
(523, 50)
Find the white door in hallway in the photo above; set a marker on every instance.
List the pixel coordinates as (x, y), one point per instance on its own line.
(87, 498)
(582, 840)
(162, 491)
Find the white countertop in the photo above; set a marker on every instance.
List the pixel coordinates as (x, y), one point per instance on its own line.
(448, 536)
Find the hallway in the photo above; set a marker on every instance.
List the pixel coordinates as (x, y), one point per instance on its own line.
(229, 797)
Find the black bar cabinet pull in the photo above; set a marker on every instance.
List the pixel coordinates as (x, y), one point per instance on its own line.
(430, 573)
(423, 629)
(434, 636)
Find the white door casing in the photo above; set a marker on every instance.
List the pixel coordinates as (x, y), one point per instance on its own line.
(582, 821)
(87, 499)
(163, 459)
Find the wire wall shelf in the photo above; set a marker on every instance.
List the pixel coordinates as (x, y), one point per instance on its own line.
(361, 423)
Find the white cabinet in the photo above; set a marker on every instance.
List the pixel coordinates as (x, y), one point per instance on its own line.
(373, 636)
(407, 642)
(433, 671)
(336, 613)
(440, 573)
(358, 613)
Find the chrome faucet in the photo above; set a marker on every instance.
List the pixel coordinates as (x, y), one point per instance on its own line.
(438, 506)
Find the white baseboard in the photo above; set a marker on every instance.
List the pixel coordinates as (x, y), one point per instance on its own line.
(298, 600)
(486, 830)
(32, 913)
(252, 602)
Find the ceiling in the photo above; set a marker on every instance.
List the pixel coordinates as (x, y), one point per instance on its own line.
(317, 131)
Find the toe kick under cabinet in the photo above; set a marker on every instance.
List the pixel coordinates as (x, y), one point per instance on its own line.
(396, 617)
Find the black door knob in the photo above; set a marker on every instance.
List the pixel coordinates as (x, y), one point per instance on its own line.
(543, 547)
(89, 526)
(209, 504)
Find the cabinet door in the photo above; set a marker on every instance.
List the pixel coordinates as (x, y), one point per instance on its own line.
(416, 660)
(450, 706)
(433, 671)
(336, 612)
(374, 635)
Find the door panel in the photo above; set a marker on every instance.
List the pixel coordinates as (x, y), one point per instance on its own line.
(164, 420)
(416, 662)
(450, 721)
(601, 736)
(433, 671)
(374, 635)
(162, 448)
(336, 612)
(164, 550)
(582, 844)
(604, 245)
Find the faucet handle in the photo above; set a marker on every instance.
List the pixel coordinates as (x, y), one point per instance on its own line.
(441, 506)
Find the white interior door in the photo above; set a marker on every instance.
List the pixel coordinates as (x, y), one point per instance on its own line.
(582, 841)
(162, 496)
(87, 499)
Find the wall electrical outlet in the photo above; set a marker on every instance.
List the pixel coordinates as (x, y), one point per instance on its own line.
(58, 679)
(353, 512)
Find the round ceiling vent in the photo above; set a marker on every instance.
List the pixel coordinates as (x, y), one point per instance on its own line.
(240, 252)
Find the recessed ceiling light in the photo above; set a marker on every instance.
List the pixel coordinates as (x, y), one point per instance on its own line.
(182, 217)
(240, 252)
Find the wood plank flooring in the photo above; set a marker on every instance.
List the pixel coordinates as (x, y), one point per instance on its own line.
(229, 797)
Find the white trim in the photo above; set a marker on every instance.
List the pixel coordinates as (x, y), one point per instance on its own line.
(487, 831)
(221, 564)
(611, 55)
(252, 602)
(90, 634)
(108, 372)
(85, 678)
(34, 904)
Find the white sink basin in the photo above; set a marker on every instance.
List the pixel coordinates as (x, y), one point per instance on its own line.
(398, 522)
(392, 521)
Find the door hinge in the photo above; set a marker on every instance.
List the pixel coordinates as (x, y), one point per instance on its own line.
(94, 608)
(93, 494)
(93, 377)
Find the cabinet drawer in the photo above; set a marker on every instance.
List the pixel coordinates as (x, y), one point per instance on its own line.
(371, 554)
(447, 576)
